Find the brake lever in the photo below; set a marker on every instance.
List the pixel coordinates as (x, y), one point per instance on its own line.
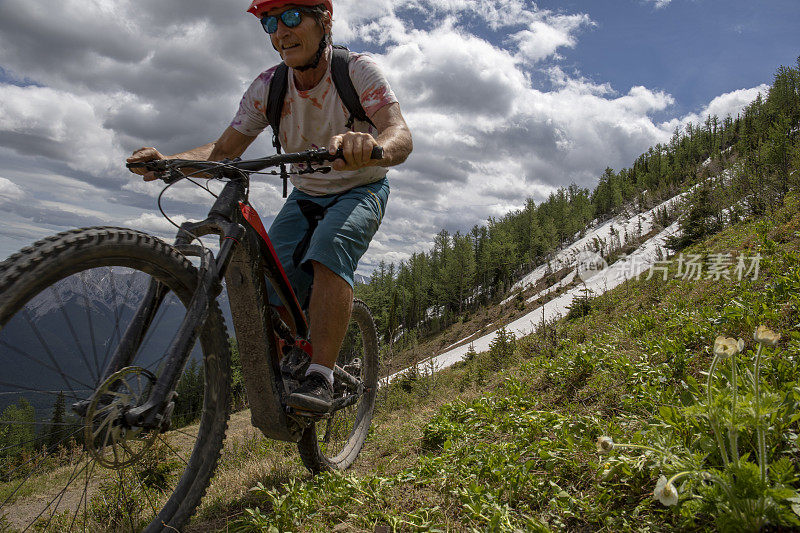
(167, 175)
(171, 176)
(311, 169)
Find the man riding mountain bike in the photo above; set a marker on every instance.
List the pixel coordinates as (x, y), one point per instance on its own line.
(347, 204)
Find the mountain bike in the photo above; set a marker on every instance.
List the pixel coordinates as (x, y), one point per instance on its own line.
(116, 384)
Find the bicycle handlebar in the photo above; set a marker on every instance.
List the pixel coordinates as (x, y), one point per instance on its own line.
(310, 157)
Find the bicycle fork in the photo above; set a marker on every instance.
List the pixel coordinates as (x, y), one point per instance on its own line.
(155, 413)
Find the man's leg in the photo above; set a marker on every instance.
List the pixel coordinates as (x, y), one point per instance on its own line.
(340, 240)
(329, 312)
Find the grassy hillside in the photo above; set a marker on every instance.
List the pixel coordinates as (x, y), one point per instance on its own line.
(518, 449)
(628, 415)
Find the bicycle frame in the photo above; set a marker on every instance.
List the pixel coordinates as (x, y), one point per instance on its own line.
(246, 261)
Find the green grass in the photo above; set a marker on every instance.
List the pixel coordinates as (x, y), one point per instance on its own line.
(506, 441)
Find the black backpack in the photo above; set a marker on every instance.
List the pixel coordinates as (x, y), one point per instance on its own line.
(341, 80)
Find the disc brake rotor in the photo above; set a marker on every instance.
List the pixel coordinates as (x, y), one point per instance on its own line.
(109, 440)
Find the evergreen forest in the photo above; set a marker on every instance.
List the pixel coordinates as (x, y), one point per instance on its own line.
(424, 294)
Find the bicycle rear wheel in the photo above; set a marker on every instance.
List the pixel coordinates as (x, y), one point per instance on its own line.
(334, 443)
(65, 302)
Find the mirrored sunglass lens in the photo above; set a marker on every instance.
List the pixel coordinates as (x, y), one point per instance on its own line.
(270, 24)
(291, 18)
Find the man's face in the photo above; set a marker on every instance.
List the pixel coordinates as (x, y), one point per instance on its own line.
(297, 45)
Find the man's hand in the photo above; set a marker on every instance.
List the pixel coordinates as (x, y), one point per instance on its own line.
(356, 148)
(142, 155)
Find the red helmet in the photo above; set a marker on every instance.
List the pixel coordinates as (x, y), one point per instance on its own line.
(258, 7)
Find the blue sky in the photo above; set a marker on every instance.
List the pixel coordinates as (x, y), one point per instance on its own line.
(693, 49)
(506, 99)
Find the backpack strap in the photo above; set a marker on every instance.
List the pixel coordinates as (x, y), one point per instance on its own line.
(340, 72)
(277, 93)
(275, 98)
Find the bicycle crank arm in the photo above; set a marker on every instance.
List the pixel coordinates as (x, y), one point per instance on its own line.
(347, 401)
(348, 378)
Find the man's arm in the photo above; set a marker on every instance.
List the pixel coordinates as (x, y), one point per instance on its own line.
(229, 145)
(393, 135)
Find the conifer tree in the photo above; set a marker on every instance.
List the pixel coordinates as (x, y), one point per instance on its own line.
(57, 421)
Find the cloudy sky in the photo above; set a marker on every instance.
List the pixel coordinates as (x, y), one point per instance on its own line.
(506, 99)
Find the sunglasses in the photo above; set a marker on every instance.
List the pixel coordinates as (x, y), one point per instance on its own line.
(291, 18)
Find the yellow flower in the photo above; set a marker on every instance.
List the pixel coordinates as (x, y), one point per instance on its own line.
(764, 335)
(725, 347)
(665, 492)
(604, 445)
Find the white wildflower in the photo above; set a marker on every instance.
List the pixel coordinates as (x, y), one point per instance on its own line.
(665, 492)
(604, 445)
(764, 335)
(725, 347)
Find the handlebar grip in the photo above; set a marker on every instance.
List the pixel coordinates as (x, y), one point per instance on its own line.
(377, 153)
(156, 165)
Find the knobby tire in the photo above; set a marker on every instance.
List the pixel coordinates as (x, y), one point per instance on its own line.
(158, 493)
(334, 443)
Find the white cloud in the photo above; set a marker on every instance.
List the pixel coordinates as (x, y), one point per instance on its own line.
(731, 103)
(658, 4)
(155, 224)
(545, 36)
(10, 191)
(113, 76)
(57, 125)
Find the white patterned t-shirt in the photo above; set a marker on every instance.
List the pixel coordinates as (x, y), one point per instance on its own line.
(310, 118)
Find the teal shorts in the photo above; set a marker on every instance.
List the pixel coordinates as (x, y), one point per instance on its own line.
(342, 236)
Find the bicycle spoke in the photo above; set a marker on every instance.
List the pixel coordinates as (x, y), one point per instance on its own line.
(84, 358)
(82, 277)
(116, 309)
(23, 465)
(108, 350)
(147, 495)
(177, 454)
(37, 391)
(165, 303)
(125, 498)
(19, 444)
(84, 497)
(50, 355)
(26, 355)
(59, 495)
(183, 433)
(124, 446)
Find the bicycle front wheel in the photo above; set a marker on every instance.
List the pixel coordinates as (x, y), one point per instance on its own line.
(65, 303)
(335, 442)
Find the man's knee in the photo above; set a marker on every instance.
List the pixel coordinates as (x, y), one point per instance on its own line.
(328, 280)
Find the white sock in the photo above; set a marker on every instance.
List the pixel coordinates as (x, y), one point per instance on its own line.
(321, 369)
